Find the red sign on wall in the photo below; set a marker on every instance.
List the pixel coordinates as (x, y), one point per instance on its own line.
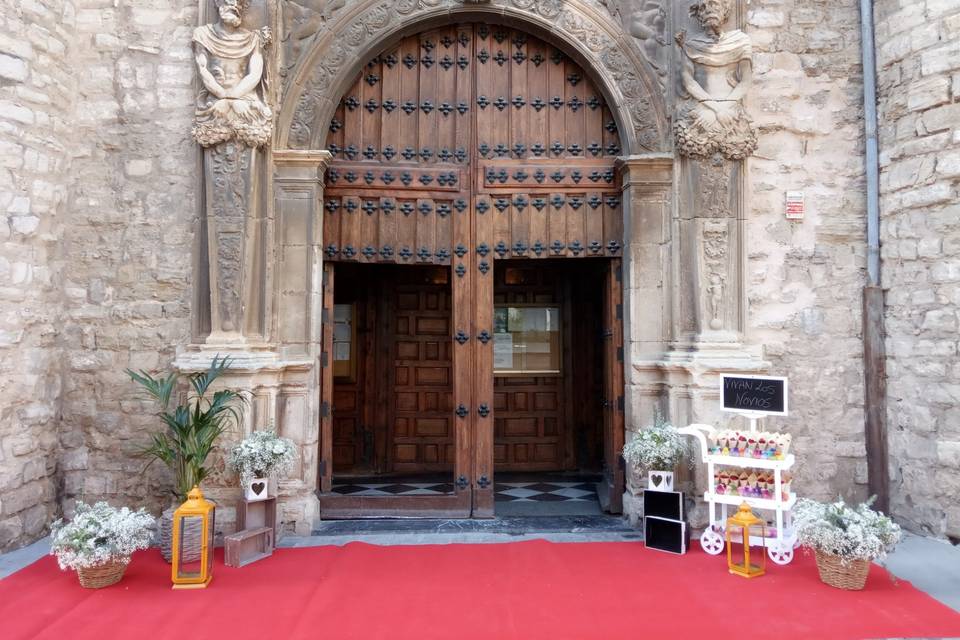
(794, 205)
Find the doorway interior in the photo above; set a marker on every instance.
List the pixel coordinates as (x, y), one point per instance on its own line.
(393, 417)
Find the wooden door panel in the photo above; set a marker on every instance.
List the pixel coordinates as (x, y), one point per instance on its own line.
(423, 434)
(459, 146)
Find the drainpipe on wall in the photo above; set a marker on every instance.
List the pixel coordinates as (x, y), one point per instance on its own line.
(874, 355)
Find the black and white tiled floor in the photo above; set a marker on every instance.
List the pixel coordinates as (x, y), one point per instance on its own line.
(553, 491)
(364, 488)
(545, 492)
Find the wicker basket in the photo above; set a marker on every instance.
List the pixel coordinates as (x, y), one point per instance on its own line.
(850, 576)
(103, 575)
(192, 539)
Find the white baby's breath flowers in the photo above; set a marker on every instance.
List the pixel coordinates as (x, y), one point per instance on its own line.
(99, 534)
(659, 447)
(852, 533)
(263, 453)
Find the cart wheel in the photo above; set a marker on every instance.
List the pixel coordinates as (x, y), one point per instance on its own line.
(781, 553)
(711, 541)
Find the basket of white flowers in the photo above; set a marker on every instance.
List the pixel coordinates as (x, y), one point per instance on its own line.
(99, 541)
(846, 539)
(257, 457)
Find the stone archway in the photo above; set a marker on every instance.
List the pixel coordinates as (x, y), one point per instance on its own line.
(324, 71)
(281, 362)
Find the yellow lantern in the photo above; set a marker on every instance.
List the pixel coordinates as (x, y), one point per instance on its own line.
(193, 572)
(742, 521)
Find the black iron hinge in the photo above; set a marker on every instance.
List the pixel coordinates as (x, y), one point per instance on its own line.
(324, 409)
(619, 354)
(323, 468)
(325, 316)
(620, 312)
(620, 403)
(618, 273)
(324, 359)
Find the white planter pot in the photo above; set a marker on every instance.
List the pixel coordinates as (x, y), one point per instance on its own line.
(660, 481)
(256, 489)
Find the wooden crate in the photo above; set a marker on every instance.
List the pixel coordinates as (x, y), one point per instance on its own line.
(243, 547)
(258, 513)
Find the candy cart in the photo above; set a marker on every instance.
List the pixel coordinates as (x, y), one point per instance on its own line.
(781, 538)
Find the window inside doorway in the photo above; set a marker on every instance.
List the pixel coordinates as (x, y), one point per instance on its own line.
(344, 342)
(526, 340)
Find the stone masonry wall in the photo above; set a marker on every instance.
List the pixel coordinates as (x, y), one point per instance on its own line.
(37, 83)
(918, 50)
(804, 278)
(99, 189)
(129, 245)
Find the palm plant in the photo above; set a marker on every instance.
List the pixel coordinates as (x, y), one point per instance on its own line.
(191, 428)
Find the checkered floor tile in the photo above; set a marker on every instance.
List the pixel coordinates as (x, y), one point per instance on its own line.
(545, 492)
(394, 489)
(505, 491)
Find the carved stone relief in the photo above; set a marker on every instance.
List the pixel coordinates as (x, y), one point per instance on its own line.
(302, 20)
(645, 20)
(231, 105)
(347, 37)
(232, 121)
(716, 73)
(228, 167)
(715, 175)
(715, 272)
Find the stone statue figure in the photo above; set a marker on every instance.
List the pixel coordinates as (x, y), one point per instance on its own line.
(231, 105)
(716, 74)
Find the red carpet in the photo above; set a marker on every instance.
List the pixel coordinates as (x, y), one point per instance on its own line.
(525, 590)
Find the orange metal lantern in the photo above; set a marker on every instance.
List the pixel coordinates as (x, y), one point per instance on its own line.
(188, 573)
(741, 522)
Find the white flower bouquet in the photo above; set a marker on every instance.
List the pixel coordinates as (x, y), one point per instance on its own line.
(262, 454)
(99, 541)
(658, 447)
(851, 533)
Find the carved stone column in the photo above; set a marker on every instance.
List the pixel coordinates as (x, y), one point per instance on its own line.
(711, 255)
(235, 230)
(648, 283)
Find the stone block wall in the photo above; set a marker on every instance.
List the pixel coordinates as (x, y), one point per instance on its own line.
(918, 51)
(99, 189)
(129, 240)
(804, 278)
(37, 86)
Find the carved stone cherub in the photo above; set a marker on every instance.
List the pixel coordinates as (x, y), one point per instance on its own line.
(231, 104)
(647, 19)
(716, 73)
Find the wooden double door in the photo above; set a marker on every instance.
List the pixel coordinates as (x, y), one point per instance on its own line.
(453, 149)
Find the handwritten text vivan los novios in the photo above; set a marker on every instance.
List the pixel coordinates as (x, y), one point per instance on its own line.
(753, 394)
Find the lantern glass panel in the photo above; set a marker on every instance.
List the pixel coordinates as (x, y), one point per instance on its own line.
(189, 565)
(739, 555)
(211, 529)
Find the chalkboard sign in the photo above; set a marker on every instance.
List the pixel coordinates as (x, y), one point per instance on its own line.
(754, 394)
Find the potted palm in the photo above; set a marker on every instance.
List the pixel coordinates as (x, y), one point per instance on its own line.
(658, 450)
(259, 456)
(845, 539)
(99, 541)
(191, 429)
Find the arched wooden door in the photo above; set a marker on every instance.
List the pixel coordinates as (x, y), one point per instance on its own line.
(457, 147)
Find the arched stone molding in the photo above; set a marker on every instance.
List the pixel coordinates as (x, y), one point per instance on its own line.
(580, 28)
